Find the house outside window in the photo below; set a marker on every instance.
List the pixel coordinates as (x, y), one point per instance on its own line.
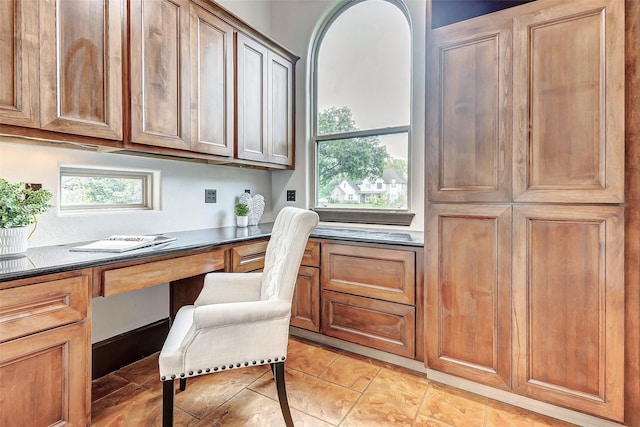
(361, 65)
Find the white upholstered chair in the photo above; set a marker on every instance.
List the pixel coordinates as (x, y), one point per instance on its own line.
(240, 319)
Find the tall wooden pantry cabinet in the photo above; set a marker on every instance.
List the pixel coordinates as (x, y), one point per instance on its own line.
(525, 213)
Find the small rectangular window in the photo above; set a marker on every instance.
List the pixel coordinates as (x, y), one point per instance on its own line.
(96, 189)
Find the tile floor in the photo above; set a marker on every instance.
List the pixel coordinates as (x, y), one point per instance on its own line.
(326, 387)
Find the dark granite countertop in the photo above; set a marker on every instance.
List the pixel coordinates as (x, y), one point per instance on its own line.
(55, 259)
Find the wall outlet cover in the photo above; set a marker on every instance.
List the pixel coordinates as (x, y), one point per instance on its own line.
(291, 195)
(210, 196)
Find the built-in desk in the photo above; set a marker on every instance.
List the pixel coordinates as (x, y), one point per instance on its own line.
(45, 316)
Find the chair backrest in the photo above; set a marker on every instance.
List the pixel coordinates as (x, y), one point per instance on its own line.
(284, 252)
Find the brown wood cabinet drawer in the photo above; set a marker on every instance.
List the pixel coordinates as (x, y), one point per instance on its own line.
(386, 274)
(250, 257)
(378, 324)
(29, 309)
(125, 279)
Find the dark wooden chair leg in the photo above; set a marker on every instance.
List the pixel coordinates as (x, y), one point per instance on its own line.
(183, 384)
(278, 368)
(167, 403)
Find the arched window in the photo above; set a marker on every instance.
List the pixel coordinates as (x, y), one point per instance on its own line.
(361, 65)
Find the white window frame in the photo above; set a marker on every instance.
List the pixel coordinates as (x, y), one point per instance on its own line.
(377, 216)
(150, 188)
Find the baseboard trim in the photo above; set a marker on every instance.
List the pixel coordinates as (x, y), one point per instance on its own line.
(119, 351)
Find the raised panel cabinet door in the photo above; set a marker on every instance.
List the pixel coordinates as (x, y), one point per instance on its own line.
(159, 66)
(212, 84)
(45, 378)
(468, 292)
(280, 112)
(569, 301)
(305, 308)
(470, 111)
(81, 67)
(251, 104)
(19, 85)
(569, 103)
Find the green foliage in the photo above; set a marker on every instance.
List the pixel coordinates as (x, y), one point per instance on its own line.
(101, 191)
(19, 205)
(241, 209)
(352, 159)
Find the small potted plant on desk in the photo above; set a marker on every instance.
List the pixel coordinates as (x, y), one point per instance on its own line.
(242, 211)
(19, 206)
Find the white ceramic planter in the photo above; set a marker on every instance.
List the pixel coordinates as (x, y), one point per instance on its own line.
(13, 240)
(242, 221)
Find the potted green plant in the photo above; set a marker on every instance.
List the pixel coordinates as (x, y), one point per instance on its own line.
(19, 206)
(242, 211)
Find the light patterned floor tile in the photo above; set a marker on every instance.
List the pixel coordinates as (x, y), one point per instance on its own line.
(318, 398)
(205, 393)
(134, 406)
(452, 406)
(309, 357)
(392, 399)
(251, 409)
(350, 372)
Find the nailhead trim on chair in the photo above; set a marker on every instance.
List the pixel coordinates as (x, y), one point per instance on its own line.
(222, 368)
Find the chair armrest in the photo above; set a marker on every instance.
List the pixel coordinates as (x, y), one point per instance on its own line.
(216, 315)
(229, 287)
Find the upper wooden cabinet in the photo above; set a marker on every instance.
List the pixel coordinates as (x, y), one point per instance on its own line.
(469, 84)
(71, 80)
(187, 90)
(19, 86)
(265, 104)
(159, 79)
(251, 68)
(568, 96)
(527, 105)
(212, 83)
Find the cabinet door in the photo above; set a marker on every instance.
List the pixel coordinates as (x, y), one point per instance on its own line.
(212, 84)
(159, 46)
(45, 378)
(19, 85)
(280, 110)
(470, 111)
(81, 67)
(468, 328)
(305, 308)
(251, 81)
(569, 300)
(569, 103)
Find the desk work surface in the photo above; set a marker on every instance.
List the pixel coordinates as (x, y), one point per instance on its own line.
(55, 259)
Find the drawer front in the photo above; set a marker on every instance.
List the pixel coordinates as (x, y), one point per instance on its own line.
(140, 276)
(249, 257)
(33, 308)
(386, 274)
(381, 325)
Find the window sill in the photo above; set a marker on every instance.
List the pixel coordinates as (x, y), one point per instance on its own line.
(365, 217)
